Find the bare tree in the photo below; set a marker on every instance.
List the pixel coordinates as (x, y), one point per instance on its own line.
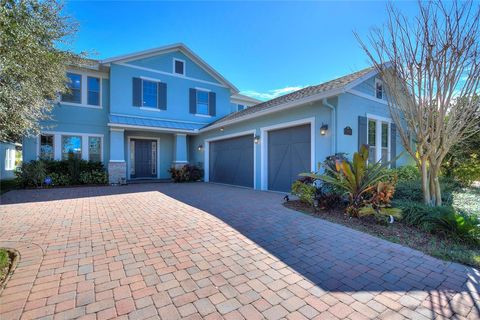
(430, 66)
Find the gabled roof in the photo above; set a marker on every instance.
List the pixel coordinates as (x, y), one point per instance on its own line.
(169, 48)
(308, 94)
(242, 97)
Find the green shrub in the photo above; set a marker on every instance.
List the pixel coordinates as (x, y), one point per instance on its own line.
(441, 220)
(468, 171)
(304, 191)
(31, 174)
(411, 190)
(94, 177)
(59, 179)
(61, 173)
(187, 173)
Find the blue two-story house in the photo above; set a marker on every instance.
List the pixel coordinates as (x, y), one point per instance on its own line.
(142, 113)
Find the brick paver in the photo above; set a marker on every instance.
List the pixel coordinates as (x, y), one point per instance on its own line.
(206, 251)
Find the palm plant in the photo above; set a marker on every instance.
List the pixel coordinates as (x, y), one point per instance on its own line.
(355, 178)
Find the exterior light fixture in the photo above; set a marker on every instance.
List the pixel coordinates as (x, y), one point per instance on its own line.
(222, 128)
(323, 129)
(256, 139)
(200, 147)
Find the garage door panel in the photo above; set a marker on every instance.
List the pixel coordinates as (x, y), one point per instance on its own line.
(231, 161)
(288, 155)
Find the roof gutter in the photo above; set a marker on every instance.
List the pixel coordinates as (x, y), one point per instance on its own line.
(281, 107)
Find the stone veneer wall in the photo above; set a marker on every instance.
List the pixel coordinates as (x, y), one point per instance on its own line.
(117, 171)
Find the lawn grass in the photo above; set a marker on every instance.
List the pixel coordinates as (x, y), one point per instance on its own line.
(5, 262)
(467, 200)
(7, 185)
(434, 245)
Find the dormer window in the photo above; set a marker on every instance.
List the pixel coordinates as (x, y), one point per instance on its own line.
(378, 89)
(179, 67)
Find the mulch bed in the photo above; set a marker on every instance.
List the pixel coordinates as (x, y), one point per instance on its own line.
(396, 232)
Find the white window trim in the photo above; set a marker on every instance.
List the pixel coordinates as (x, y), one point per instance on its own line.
(264, 145)
(206, 163)
(208, 103)
(184, 67)
(379, 81)
(128, 155)
(57, 143)
(378, 135)
(84, 90)
(9, 159)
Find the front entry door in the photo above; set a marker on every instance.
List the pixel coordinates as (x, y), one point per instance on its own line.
(143, 158)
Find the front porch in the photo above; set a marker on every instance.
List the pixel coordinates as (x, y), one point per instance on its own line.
(141, 155)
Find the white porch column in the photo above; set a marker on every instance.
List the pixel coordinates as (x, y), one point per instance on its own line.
(117, 167)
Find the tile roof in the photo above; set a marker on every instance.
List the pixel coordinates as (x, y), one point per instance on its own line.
(297, 95)
(157, 123)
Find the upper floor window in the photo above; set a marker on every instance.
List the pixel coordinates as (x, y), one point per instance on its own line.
(378, 89)
(93, 91)
(149, 94)
(240, 107)
(74, 85)
(179, 67)
(46, 146)
(202, 102)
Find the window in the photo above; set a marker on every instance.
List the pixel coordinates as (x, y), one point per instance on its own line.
(179, 67)
(94, 149)
(202, 102)
(372, 137)
(46, 147)
(240, 107)
(384, 142)
(149, 93)
(378, 89)
(93, 91)
(378, 141)
(9, 159)
(74, 84)
(71, 147)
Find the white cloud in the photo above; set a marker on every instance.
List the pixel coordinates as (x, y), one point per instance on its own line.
(270, 94)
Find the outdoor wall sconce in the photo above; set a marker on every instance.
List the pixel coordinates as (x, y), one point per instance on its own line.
(323, 129)
(256, 139)
(222, 128)
(200, 147)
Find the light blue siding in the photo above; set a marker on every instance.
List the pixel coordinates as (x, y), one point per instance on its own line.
(164, 63)
(177, 96)
(323, 145)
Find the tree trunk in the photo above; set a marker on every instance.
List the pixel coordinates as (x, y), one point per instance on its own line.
(425, 182)
(434, 172)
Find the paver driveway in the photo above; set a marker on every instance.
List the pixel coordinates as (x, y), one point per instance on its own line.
(209, 251)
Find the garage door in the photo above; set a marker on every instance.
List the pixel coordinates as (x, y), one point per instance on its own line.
(231, 161)
(288, 155)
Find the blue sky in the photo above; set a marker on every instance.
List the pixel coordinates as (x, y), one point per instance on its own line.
(264, 48)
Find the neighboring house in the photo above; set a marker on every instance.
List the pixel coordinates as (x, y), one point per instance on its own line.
(145, 112)
(7, 160)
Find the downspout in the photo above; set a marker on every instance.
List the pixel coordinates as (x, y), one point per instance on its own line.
(334, 124)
